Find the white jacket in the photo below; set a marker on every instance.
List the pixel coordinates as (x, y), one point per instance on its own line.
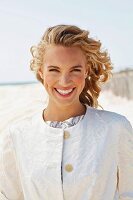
(96, 156)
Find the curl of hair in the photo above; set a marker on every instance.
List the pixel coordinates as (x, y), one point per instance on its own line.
(98, 62)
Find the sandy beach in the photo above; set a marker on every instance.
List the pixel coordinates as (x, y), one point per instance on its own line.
(18, 101)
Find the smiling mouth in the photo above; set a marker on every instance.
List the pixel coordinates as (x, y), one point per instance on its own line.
(64, 93)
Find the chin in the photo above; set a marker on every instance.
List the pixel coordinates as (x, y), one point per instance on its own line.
(68, 103)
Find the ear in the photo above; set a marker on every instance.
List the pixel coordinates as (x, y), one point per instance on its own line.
(40, 73)
(86, 73)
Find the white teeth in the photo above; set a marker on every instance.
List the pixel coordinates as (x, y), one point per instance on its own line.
(64, 91)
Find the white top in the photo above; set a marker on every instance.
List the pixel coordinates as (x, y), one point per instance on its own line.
(96, 156)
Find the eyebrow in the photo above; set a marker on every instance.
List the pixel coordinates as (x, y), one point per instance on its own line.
(76, 66)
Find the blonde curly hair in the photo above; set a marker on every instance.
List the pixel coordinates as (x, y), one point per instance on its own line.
(98, 62)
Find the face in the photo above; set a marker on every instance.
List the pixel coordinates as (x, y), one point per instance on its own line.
(64, 72)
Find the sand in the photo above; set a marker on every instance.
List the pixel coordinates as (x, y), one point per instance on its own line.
(18, 101)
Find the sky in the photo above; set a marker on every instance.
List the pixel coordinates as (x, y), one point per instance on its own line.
(22, 24)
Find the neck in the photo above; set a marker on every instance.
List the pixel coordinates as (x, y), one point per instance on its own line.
(62, 113)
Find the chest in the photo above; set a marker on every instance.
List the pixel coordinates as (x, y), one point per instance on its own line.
(67, 155)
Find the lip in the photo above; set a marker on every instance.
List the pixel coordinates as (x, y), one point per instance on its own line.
(64, 95)
(67, 88)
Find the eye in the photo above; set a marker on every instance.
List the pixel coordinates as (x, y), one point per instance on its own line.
(51, 70)
(77, 70)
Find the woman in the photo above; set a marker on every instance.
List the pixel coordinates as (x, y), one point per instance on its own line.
(71, 150)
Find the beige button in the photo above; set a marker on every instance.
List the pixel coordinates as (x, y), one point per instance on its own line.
(66, 135)
(68, 167)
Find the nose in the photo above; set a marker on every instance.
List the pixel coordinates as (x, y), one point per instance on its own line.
(65, 80)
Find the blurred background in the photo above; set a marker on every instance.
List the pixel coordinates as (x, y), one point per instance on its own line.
(22, 24)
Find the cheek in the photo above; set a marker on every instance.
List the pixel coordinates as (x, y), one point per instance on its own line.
(79, 79)
(49, 80)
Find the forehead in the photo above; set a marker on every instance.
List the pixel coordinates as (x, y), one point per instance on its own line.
(64, 55)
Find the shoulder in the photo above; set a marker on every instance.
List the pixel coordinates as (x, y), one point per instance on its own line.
(21, 125)
(109, 117)
(111, 122)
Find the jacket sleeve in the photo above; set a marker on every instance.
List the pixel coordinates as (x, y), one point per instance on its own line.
(10, 187)
(125, 161)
